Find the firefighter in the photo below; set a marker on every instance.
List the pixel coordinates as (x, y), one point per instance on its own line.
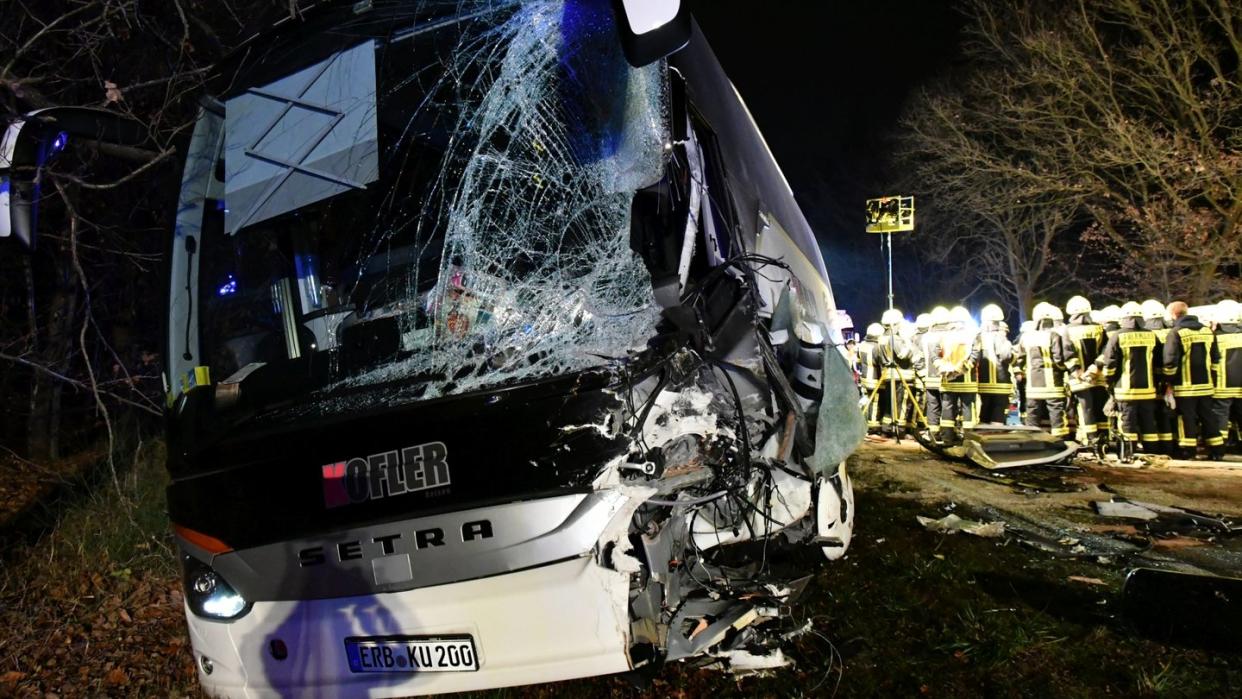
(959, 357)
(1109, 319)
(1190, 355)
(1045, 380)
(872, 371)
(1156, 320)
(1228, 390)
(927, 354)
(894, 353)
(912, 393)
(1129, 362)
(995, 353)
(1076, 347)
(1016, 366)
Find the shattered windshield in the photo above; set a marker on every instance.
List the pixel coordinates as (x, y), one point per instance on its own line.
(432, 193)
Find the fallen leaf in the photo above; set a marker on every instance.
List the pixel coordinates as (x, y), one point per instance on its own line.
(116, 678)
(12, 677)
(112, 92)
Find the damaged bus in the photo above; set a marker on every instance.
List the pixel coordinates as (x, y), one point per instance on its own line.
(498, 352)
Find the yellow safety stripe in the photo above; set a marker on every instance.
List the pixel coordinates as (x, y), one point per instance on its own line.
(198, 376)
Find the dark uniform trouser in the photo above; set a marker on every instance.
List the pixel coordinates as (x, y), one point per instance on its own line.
(932, 401)
(955, 405)
(1194, 412)
(1229, 410)
(1138, 421)
(879, 409)
(1089, 405)
(907, 394)
(1053, 409)
(992, 407)
(1166, 423)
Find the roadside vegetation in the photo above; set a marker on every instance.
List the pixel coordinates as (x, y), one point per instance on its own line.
(90, 602)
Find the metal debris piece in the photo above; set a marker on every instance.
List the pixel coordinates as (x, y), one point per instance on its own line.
(1006, 446)
(1121, 508)
(1170, 517)
(951, 524)
(1086, 580)
(1189, 608)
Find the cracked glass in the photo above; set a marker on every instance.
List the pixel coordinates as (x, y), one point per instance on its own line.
(433, 197)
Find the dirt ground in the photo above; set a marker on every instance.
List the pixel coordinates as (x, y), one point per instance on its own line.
(92, 607)
(1044, 506)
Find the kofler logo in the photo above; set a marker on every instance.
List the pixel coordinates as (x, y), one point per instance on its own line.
(385, 474)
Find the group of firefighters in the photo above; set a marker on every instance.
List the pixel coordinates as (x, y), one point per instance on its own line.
(1174, 378)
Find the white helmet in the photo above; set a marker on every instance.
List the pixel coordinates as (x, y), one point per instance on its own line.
(1057, 315)
(1131, 309)
(906, 329)
(891, 317)
(1043, 311)
(960, 315)
(1229, 311)
(991, 313)
(1111, 313)
(939, 315)
(1027, 326)
(1077, 306)
(874, 331)
(1153, 310)
(923, 321)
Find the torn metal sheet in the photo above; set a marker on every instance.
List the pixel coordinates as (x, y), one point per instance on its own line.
(1122, 508)
(1003, 447)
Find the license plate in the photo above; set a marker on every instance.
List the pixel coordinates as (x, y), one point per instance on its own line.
(412, 654)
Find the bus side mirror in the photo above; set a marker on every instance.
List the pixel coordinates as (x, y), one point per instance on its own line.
(651, 29)
(31, 141)
(19, 187)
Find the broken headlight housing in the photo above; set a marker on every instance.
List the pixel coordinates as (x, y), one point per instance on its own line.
(209, 595)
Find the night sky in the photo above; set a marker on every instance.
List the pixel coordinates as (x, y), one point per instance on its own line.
(826, 81)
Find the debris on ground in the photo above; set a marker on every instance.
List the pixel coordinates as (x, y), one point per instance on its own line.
(951, 524)
(1187, 608)
(1164, 517)
(1086, 580)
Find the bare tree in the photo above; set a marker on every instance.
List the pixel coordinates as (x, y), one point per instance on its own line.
(1127, 112)
(78, 334)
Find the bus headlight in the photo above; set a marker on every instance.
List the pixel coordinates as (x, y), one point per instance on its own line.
(209, 595)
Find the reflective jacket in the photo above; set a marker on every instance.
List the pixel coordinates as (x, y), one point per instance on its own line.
(882, 356)
(1157, 326)
(1075, 346)
(870, 366)
(1189, 355)
(995, 354)
(1229, 366)
(1044, 378)
(926, 352)
(1130, 362)
(962, 346)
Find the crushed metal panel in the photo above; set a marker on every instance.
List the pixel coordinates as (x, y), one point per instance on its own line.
(1012, 446)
